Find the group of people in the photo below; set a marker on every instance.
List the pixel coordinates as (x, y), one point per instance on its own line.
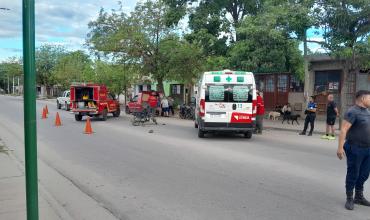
(165, 106)
(354, 140)
(331, 115)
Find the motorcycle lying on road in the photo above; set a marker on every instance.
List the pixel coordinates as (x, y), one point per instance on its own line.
(141, 117)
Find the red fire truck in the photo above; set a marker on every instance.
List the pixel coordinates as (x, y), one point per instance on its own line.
(93, 100)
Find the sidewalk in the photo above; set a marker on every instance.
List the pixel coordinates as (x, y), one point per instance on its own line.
(320, 126)
(12, 191)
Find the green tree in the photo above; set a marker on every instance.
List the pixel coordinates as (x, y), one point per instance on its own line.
(265, 46)
(73, 67)
(47, 57)
(226, 31)
(181, 61)
(10, 69)
(117, 77)
(213, 23)
(215, 16)
(216, 63)
(347, 29)
(133, 39)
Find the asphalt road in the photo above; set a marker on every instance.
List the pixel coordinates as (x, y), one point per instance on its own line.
(171, 174)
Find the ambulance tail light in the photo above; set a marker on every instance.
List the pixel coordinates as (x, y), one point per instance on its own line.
(202, 108)
(254, 108)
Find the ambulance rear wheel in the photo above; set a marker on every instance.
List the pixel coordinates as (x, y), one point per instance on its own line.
(78, 117)
(248, 135)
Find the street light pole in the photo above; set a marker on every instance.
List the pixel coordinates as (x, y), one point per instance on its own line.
(30, 139)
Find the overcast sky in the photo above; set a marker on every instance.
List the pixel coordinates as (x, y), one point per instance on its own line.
(57, 22)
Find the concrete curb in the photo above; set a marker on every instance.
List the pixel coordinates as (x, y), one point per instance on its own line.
(66, 200)
(293, 130)
(54, 204)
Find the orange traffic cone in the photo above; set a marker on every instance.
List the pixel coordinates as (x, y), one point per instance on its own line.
(46, 109)
(57, 120)
(88, 129)
(44, 115)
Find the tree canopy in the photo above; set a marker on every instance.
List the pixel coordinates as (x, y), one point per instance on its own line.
(251, 35)
(47, 57)
(266, 45)
(346, 28)
(143, 38)
(72, 67)
(12, 67)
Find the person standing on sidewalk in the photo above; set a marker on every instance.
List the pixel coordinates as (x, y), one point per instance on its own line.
(354, 142)
(260, 113)
(170, 105)
(165, 106)
(310, 117)
(331, 115)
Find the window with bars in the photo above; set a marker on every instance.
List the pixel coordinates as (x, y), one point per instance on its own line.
(176, 89)
(296, 85)
(327, 81)
(270, 85)
(282, 83)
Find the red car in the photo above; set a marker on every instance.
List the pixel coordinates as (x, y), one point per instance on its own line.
(93, 100)
(136, 103)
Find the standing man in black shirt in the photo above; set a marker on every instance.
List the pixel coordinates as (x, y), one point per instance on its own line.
(331, 116)
(354, 142)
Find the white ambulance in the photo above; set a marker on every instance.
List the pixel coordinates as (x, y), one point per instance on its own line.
(226, 102)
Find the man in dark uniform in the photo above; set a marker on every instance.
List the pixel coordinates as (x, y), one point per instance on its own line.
(331, 116)
(310, 117)
(354, 142)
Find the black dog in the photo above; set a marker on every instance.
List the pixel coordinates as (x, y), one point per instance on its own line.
(290, 117)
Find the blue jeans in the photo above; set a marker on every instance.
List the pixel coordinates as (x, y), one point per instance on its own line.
(358, 166)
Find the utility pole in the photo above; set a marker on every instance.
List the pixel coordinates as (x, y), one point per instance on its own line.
(18, 86)
(8, 92)
(30, 140)
(307, 83)
(13, 86)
